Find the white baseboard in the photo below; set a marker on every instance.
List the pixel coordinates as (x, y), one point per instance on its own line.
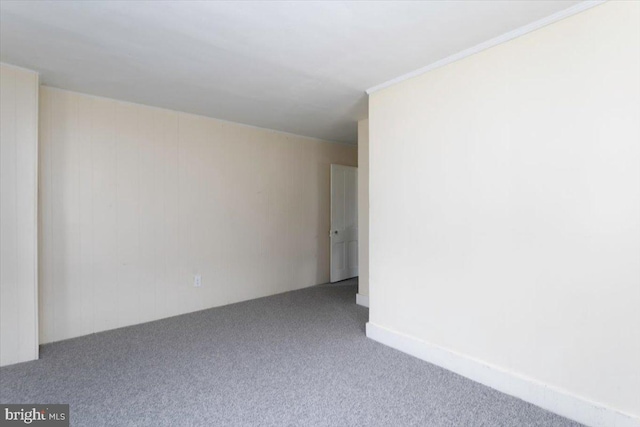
(362, 300)
(543, 395)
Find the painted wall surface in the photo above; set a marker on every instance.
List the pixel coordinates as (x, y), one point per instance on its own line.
(505, 206)
(18, 215)
(363, 207)
(137, 200)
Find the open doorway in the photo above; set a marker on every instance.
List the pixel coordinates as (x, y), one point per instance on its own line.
(344, 222)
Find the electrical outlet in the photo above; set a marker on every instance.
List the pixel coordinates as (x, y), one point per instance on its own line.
(197, 281)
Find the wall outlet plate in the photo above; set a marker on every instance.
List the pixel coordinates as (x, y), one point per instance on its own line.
(197, 281)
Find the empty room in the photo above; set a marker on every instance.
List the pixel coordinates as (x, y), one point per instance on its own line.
(320, 213)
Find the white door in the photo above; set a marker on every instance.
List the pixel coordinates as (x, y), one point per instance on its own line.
(344, 222)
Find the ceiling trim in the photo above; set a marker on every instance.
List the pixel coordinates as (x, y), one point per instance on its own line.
(580, 7)
(6, 64)
(155, 107)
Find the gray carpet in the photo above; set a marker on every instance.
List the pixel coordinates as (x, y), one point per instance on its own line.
(299, 358)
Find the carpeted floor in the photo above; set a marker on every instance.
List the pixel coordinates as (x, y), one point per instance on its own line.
(299, 358)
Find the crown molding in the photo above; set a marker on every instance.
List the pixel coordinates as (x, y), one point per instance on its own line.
(185, 113)
(6, 64)
(536, 25)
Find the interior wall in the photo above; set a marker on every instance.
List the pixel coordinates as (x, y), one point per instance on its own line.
(137, 200)
(505, 206)
(363, 207)
(18, 213)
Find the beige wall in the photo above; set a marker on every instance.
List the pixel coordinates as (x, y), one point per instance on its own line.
(136, 200)
(363, 207)
(18, 213)
(505, 207)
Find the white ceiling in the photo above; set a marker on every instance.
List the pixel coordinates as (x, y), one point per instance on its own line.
(299, 67)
